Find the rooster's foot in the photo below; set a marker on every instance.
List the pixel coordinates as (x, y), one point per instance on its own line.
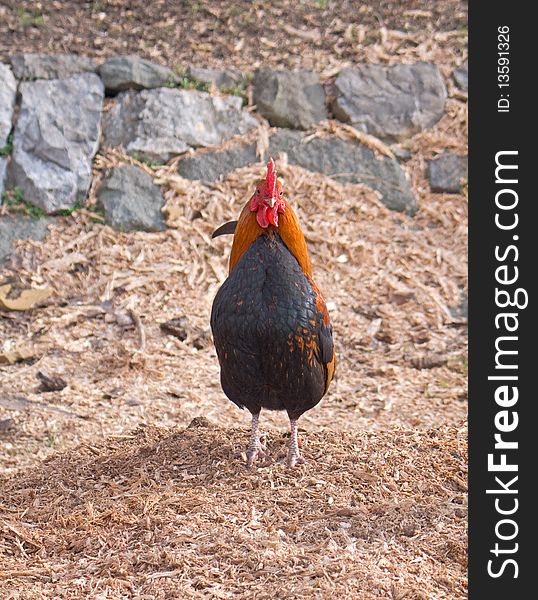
(255, 451)
(291, 459)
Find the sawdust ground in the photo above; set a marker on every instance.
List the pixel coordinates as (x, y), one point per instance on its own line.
(171, 513)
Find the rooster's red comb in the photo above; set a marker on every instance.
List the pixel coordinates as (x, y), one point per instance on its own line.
(270, 178)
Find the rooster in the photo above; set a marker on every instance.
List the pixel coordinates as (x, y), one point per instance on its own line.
(269, 321)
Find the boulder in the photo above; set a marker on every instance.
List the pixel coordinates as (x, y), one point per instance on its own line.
(402, 154)
(50, 66)
(55, 139)
(447, 172)
(18, 227)
(390, 102)
(131, 201)
(8, 91)
(293, 99)
(219, 78)
(460, 312)
(133, 73)
(211, 166)
(162, 123)
(3, 171)
(348, 161)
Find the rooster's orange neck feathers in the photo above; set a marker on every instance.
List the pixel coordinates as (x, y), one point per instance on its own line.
(248, 230)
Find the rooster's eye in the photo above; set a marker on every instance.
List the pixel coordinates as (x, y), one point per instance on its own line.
(280, 193)
(258, 191)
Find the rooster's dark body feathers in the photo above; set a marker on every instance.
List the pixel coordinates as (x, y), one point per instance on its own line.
(271, 332)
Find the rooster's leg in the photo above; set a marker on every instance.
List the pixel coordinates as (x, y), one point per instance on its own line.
(255, 448)
(294, 456)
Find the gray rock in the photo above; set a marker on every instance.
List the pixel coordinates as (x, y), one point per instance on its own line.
(220, 78)
(50, 66)
(3, 170)
(133, 73)
(162, 123)
(460, 313)
(52, 148)
(131, 200)
(348, 161)
(211, 166)
(402, 154)
(293, 99)
(447, 172)
(8, 91)
(17, 227)
(461, 77)
(390, 102)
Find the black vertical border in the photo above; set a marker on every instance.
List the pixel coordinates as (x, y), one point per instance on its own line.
(491, 131)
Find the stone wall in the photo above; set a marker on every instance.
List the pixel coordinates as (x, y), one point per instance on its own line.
(52, 124)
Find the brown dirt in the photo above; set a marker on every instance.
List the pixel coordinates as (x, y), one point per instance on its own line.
(104, 494)
(308, 34)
